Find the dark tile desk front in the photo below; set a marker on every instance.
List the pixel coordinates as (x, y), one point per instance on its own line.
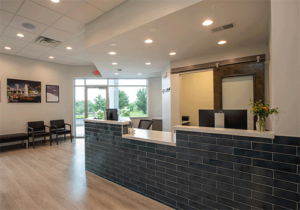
(204, 171)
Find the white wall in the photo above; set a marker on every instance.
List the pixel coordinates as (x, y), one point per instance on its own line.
(14, 116)
(197, 92)
(154, 97)
(285, 66)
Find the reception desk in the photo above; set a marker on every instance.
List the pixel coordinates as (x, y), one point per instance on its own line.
(197, 167)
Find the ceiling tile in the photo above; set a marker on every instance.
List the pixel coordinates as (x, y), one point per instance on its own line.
(10, 5)
(77, 57)
(76, 41)
(12, 32)
(57, 34)
(18, 20)
(63, 47)
(30, 53)
(38, 13)
(82, 52)
(67, 24)
(12, 42)
(5, 17)
(61, 53)
(83, 62)
(12, 51)
(84, 12)
(105, 5)
(82, 34)
(2, 27)
(38, 48)
(45, 57)
(62, 7)
(66, 61)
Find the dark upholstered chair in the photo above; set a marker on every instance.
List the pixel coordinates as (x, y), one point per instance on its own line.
(58, 127)
(145, 124)
(38, 129)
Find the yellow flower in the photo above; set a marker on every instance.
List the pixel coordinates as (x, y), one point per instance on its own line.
(266, 108)
(252, 109)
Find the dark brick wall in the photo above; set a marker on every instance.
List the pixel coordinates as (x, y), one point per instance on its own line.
(204, 171)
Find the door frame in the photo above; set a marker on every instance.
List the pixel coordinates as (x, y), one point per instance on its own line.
(103, 87)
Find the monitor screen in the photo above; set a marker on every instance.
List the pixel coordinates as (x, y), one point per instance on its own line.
(233, 118)
(112, 114)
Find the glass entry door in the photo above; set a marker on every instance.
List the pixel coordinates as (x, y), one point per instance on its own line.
(96, 101)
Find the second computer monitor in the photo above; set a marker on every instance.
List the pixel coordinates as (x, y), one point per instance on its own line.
(112, 114)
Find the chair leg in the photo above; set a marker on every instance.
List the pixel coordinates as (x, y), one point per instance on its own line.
(65, 137)
(56, 139)
(71, 136)
(50, 140)
(33, 144)
(45, 139)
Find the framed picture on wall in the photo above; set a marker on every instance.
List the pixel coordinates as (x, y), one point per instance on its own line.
(52, 93)
(23, 91)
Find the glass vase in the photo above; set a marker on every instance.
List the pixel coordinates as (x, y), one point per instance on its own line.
(260, 124)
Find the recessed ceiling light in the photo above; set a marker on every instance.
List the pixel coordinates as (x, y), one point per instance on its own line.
(207, 23)
(20, 35)
(69, 48)
(55, 1)
(148, 41)
(7, 48)
(116, 73)
(112, 53)
(114, 63)
(222, 42)
(51, 57)
(139, 73)
(172, 53)
(113, 44)
(148, 63)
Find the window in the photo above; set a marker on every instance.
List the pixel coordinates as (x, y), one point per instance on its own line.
(130, 96)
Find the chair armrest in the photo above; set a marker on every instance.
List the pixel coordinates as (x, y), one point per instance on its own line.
(30, 129)
(54, 126)
(48, 128)
(68, 125)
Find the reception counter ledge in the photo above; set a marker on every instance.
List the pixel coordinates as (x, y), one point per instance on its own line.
(204, 169)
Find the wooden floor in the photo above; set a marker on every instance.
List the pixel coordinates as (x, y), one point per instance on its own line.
(54, 177)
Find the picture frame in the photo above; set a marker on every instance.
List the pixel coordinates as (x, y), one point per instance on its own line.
(52, 94)
(23, 91)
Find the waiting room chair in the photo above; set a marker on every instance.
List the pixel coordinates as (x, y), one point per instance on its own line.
(58, 127)
(38, 129)
(145, 124)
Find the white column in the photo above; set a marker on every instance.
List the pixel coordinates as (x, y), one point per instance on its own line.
(285, 66)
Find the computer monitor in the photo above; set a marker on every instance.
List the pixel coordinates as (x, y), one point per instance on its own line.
(233, 118)
(112, 114)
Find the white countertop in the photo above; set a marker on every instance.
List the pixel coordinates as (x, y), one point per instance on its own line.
(121, 121)
(226, 131)
(158, 137)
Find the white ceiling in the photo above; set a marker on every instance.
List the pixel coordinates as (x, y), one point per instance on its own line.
(63, 21)
(182, 32)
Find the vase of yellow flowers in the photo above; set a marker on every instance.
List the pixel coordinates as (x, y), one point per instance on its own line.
(261, 110)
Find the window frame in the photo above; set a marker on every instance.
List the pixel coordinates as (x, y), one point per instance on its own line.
(107, 86)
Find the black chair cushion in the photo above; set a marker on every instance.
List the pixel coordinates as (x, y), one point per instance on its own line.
(37, 126)
(39, 134)
(61, 131)
(58, 123)
(13, 137)
(145, 124)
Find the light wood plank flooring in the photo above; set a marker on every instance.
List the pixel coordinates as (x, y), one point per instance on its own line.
(54, 177)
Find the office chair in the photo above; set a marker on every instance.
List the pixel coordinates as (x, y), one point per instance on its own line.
(145, 124)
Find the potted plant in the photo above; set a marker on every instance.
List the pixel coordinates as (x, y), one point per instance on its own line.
(100, 114)
(261, 110)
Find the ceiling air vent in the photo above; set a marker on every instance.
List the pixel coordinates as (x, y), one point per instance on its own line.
(120, 69)
(221, 28)
(47, 42)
